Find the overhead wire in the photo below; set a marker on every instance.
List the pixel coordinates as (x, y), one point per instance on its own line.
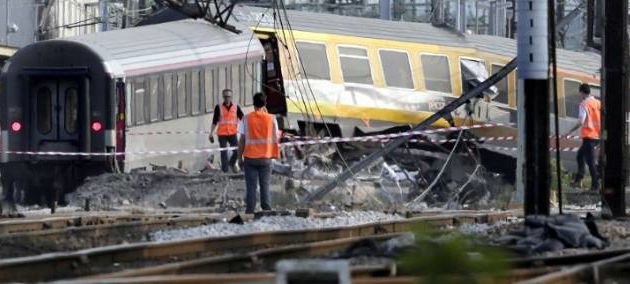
(310, 90)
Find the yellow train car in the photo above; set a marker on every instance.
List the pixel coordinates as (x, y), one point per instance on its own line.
(368, 74)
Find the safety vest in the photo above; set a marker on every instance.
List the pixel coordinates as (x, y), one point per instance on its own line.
(592, 125)
(228, 121)
(260, 140)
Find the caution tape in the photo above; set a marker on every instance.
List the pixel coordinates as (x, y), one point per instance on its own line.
(325, 140)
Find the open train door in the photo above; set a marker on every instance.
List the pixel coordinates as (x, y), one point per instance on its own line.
(272, 80)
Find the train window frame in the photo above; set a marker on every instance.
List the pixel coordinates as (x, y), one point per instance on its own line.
(424, 77)
(129, 118)
(168, 114)
(223, 80)
(50, 109)
(461, 75)
(328, 58)
(181, 94)
(367, 57)
(411, 73)
(139, 117)
(195, 73)
(209, 85)
(236, 83)
(507, 83)
(154, 82)
(564, 99)
(599, 87)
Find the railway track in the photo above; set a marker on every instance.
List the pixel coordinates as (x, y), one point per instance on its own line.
(113, 259)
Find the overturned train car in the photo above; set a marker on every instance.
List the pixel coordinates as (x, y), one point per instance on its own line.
(66, 102)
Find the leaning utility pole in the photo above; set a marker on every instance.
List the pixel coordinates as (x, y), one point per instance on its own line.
(533, 177)
(615, 108)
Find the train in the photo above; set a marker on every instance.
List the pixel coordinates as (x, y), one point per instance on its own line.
(85, 94)
(67, 105)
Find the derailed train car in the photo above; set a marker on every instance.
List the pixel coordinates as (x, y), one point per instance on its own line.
(85, 94)
(364, 75)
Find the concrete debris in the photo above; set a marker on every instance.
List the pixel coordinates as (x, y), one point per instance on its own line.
(554, 233)
(159, 189)
(273, 223)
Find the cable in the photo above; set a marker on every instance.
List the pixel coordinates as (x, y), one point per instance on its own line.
(342, 158)
(440, 173)
(552, 55)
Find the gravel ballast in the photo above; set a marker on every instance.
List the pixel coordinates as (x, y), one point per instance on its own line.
(274, 223)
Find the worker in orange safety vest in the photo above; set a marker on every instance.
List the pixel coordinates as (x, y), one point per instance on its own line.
(225, 121)
(590, 128)
(258, 146)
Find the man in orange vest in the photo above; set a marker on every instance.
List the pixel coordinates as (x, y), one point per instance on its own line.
(225, 122)
(259, 146)
(590, 124)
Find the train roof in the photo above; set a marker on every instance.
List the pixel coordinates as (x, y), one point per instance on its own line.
(407, 32)
(168, 46)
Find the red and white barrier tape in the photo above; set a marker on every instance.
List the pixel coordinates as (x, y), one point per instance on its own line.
(324, 140)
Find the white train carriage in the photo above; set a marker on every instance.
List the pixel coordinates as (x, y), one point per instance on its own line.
(105, 92)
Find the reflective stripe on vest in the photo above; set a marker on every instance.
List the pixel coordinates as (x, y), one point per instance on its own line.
(592, 124)
(228, 120)
(260, 140)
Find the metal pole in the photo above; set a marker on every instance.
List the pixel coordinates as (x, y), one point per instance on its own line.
(104, 7)
(615, 108)
(385, 9)
(533, 121)
(590, 21)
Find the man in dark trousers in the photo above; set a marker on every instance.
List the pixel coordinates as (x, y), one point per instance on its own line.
(259, 146)
(225, 122)
(590, 126)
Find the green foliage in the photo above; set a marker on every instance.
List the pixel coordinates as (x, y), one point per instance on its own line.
(452, 259)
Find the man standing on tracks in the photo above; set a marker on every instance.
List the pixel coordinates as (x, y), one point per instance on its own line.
(258, 146)
(590, 124)
(225, 121)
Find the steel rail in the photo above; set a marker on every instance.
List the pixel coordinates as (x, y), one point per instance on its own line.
(251, 261)
(87, 262)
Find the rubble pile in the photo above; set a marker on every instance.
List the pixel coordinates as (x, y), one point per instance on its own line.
(542, 234)
(160, 189)
(273, 223)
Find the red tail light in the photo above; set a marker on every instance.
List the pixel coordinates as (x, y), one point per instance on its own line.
(97, 126)
(16, 126)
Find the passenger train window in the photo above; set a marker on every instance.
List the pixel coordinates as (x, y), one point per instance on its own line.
(572, 97)
(437, 74)
(236, 83)
(181, 94)
(222, 83)
(153, 98)
(139, 102)
(396, 69)
(596, 91)
(209, 86)
(502, 86)
(195, 91)
(314, 58)
(71, 111)
(44, 110)
(168, 96)
(250, 83)
(355, 65)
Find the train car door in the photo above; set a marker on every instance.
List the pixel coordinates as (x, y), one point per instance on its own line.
(55, 115)
(273, 85)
